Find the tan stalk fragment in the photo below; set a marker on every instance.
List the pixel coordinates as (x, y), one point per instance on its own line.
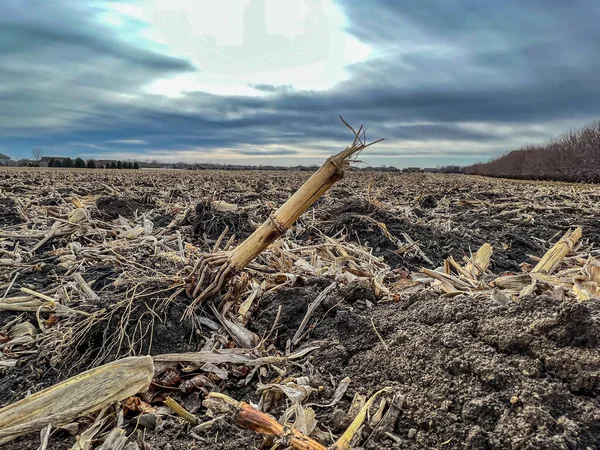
(181, 411)
(343, 443)
(480, 261)
(561, 249)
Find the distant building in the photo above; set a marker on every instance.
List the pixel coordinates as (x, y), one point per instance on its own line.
(412, 170)
(5, 160)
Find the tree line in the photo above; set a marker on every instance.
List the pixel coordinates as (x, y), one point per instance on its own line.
(91, 164)
(573, 156)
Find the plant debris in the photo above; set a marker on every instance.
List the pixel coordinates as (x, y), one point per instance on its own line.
(401, 311)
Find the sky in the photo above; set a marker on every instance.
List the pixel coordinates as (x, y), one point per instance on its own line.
(264, 81)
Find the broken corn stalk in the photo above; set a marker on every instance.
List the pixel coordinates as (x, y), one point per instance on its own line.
(252, 419)
(343, 443)
(274, 227)
(550, 260)
(480, 261)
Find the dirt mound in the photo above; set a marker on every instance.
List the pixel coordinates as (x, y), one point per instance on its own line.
(211, 220)
(112, 207)
(363, 224)
(473, 372)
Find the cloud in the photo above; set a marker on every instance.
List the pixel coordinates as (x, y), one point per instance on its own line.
(272, 88)
(445, 82)
(128, 141)
(60, 67)
(272, 152)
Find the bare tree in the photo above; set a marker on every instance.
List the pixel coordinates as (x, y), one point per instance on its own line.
(573, 156)
(37, 153)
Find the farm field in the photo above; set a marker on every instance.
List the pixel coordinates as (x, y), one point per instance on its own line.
(434, 288)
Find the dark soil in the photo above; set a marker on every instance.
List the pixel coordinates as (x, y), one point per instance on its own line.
(8, 213)
(358, 221)
(112, 207)
(206, 220)
(473, 373)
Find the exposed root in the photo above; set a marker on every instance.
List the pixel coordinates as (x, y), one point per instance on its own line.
(218, 278)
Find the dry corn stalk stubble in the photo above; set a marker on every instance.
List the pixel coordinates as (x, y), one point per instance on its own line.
(213, 269)
(575, 276)
(29, 414)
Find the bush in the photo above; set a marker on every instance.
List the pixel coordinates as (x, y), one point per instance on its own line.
(79, 163)
(91, 164)
(67, 162)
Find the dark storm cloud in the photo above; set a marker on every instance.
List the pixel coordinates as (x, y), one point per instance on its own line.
(436, 66)
(481, 59)
(59, 66)
(16, 38)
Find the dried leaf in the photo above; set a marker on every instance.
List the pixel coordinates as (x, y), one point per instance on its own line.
(198, 383)
(137, 405)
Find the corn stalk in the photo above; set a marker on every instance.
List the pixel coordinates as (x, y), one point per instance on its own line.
(250, 418)
(213, 269)
(554, 256)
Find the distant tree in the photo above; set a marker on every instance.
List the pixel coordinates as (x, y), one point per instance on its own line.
(130, 165)
(119, 165)
(91, 164)
(79, 163)
(574, 156)
(113, 165)
(451, 169)
(67, 162)
(136, 165)
(51, 162)
(37, 153)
